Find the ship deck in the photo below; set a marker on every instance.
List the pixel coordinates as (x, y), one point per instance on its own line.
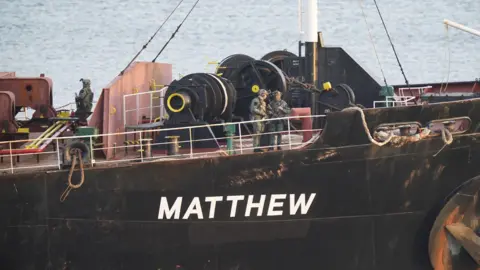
(51, 157)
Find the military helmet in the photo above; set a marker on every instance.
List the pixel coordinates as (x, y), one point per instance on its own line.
(276, 92)
(85, 82)
(262, 92)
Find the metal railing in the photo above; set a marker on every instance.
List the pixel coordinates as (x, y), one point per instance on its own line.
(395, 101)
(155, 97)
(420, 90)
(26, 113)
(12, 161)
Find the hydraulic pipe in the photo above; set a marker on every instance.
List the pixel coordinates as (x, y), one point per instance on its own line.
(39, 138)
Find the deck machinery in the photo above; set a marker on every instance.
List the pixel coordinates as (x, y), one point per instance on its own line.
(40, 129)
(225, 96)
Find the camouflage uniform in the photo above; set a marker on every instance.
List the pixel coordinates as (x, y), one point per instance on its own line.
(84, 99)
(277, 109)
(258, 111)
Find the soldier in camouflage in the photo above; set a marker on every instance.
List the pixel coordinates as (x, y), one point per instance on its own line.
(84, 101)
(258, 111)
(277, 108)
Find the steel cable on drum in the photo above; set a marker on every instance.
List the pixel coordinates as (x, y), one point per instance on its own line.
(77, 155)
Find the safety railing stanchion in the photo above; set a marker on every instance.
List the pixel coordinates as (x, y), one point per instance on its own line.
(141, 146)
(124, 112)
(160, 100)
(91, 151)
(11, 156)
(151, 107)
(240, 137)
(190, 140)
(289, 135)
(58, 154)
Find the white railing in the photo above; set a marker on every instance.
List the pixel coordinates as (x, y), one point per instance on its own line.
(395, 101)
(12, 161)
(156, 105)
(420, 90)
(26, 113)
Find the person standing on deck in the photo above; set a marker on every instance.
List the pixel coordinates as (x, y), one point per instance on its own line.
(84, 102)
(277, 108)
(258, 111)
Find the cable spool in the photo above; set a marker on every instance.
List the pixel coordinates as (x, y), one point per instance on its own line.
(230, 64)
(203, 96)
(336, 99)
(250, 78)
(278, 57)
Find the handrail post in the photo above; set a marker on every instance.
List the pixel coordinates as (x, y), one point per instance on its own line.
(191, 144)
(151, 107)
(11, 157)
(141, 146)
(58, 155)
(240, 137)
(124, 112)
(136, 110)
(91, 151)
(160, 100)
(289, 136)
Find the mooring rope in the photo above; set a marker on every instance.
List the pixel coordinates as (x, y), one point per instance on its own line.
(447, 136)
(391, 43)
(448, 54)
(77, 154)
(365, 127)
(148, 42)
(173, 35)
(371, 40)
(66, 105)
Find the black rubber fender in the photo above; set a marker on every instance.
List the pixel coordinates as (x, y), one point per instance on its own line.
(76, 144)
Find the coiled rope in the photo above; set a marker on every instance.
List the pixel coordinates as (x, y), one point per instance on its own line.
(76, 154)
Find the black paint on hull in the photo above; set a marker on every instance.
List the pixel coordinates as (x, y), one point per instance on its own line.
(373, 209)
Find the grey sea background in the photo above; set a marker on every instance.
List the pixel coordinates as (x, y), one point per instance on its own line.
(72, 39)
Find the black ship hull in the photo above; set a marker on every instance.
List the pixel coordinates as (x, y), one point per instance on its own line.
(355, 206)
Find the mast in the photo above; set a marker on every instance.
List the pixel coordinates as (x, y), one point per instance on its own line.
(310, 37)
(309, 33)
(462, 27)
